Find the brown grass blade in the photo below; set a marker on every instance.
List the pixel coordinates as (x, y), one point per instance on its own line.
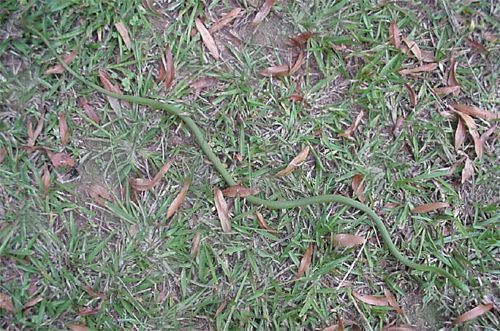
(263, 12)
(225, 20)
(276, 71)
(412, 95)
(412, 45)
(167, 69)
(63, 129)
(475, 112)
(394, 34)
(179, 199)
(471, 126)
(446, 90)
(295, 163)
(428, 207)
(99, 193)
(306, 261)
(33, 135)
(423, 68)
(45, 179)
(459, 134)
(33, 302)
(392, 301)
(207, 38)
(108, 85)
(122, 30)
(452, 80)
(195, 245)
(473, 313)
(203, 83)
(222, 210)
(374, 300)
(300, 40)
(239, 191)
(298, 63)
(143, 184)
(58, 68)
(77, 327)
(349, 132)
(88, 109)
(263, 223)
(357, 187)
(6, 302)
(468, 170)
(3, 153)
(345, 240)
(476, 46)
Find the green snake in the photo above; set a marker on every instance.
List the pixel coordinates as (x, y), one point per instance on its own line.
(286, 204)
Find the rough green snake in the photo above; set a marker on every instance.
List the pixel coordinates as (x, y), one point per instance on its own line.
(286, 204)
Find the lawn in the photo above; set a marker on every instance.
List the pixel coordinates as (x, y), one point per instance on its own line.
(110, 212)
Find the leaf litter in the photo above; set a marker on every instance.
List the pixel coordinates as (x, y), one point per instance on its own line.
(295, 163)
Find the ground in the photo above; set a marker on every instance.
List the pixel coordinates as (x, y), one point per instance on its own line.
(122, 265)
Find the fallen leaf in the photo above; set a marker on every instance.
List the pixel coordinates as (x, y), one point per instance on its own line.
(423, 68)
(412, 45)
(33, 135)
(122, 30)
(306, 261)
(300, 40)
(106, 82)
(484, 137)
(412, 94)
(357, 187)
(221, 308)
(63, 129)
(468, 170)
(207, 39)
(349, 132)
(3, 153)
(347, 240)
(446, 90)
(225, 20)
(459, 134)
(167, 69)
(452, 80)
(195, 245)
(143, 184)
(473, 313)
(295, 163)
(45, 179)
(428, 207)
(179, 199)
(90, 291)
(98, 192)
(58, 68)
(392, 301)
(276, 71)
(298, 63)
(475, 111)
(202, 83)
(77, 327)
(471, 126)
(263, 12)
(60, 159)
(88, 311)
(428, 56)
(394, 33)
(239, 191)
(398, 126)
(222, 210)
(88, 109)
(33, 302)
(476, 46)
(297, 97)
(374, 300)
(263, 224)
(6, 302)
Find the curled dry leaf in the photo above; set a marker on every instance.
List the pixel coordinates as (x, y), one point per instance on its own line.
(276, 71)
(167, 69)
(99, 193)
(143, 184)
(195, 244)
(202, 83)
(484, 137)
(58, 68)
(239, 191)
(263, 12)
(295, 163)
(446, 90)
(452, 80)
(108, 85)
(33, 135)
(298, 63)
(45, 179)
(475, 112)
(468, 170)
(88, 109)
(471, 126)
(207, 38)
(77, 327)
(347, 240)
(63, 129)
(423, 68)
(459, 134)
(263, 223)
(374, 300)
(33, 302)
(412, 95)
(225, 20)
(473, 313)
(122, 30)
(394, 33)
(222, 210)
(306, 261)
(476, 46)
(6, 302)
(357, 187)
(392, 301)
(428, 207)
(3, 153)
(412, 45)
(179, 199)
(300, 40)
(350, 130)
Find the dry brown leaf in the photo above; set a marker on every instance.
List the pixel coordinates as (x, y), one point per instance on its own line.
(295, 163)
(452, 80)
(221, 308)
(88, 109)
(45, 179)
(58, 68)
(428, 56)
(428, 207)
(357, 187)
(398, 126)
(394, 33)
(60, 159)
(222, 210)
(412, 94)
(263, 12)
(106, 82)
(33, 302)
(423, 68)
(459, 134)
(225, 20)
(98, 192)
(88, 311)
(167, 69)
(195, 244)
(484, 137)
(297, 97)
(468, 170)
(300, 40)
(77, 327)
(239, 191)
(276, 71)
(3, 153)
(143, 184)
(33, 135)
(473, 313)
(6, 302)
(298, 63)
(63, 129)
(179, 199)
(306, 261)
(471, 126)
(476, 46)
(374, 300)
(412, 45)
(347, 240)
(202, 83)
(446, 90)
(263, 223)
(90, 291)
(475, 112)
(392, 301)
(207, 38)
(350, 130)
(399, 328)
(122, 30)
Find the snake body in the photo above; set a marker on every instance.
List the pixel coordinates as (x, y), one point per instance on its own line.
(285, 204)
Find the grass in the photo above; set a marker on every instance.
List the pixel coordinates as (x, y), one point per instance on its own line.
(55, 245)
